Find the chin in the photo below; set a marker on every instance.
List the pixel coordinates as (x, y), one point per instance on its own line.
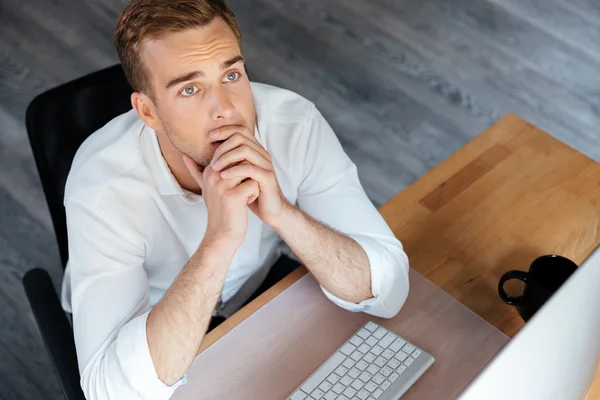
(205, 158)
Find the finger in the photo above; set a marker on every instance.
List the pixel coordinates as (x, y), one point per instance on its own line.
(248, 190)
(235, 141)
(239, 154)
(194, 169)
(225, 132)
(245, 171)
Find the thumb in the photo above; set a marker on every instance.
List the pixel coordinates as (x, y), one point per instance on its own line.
(194, 169)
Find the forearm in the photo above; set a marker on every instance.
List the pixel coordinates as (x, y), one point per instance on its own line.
(336, 261)
(177, 324)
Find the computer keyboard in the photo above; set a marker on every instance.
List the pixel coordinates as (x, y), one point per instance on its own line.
(373, 364)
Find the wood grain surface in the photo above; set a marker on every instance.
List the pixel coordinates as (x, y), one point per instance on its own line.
(512, 194)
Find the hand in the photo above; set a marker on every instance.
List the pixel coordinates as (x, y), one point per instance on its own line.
(242, 157)
(226, 201)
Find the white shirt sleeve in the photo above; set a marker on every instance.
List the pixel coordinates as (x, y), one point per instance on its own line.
(330, 192)
(110, 306)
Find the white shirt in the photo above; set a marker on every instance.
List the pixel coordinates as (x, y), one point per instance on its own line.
(132, 228)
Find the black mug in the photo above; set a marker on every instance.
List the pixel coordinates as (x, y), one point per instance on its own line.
(546, 275)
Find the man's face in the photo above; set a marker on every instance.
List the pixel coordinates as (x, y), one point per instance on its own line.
(199, 85)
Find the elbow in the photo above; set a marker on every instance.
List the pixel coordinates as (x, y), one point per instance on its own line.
(390, 305)
(393, 290)
(102, 380)
(92, 384)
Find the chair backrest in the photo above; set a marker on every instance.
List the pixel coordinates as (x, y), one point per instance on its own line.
(59, 120)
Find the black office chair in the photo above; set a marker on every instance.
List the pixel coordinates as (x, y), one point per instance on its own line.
(58, 121)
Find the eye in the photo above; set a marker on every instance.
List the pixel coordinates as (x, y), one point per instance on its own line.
(188, 91)
(232, 76)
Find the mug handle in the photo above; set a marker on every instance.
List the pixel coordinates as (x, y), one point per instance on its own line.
(515, 274)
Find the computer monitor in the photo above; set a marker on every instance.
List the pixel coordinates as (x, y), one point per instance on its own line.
(556, 354)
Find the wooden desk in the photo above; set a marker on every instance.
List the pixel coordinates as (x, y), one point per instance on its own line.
(511, 194)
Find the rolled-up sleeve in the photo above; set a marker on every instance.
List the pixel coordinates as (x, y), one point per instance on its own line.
(110, 305)
(330, 191)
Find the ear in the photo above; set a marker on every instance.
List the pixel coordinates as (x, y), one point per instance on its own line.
(146, 110)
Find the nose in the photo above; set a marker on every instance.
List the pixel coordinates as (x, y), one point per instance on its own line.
(222, 107)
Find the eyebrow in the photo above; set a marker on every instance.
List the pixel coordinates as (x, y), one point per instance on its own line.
(196, 74)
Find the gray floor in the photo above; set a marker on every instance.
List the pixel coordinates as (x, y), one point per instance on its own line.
(404, 83)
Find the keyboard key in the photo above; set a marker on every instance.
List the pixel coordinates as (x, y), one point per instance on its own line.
(333, 378)
(386, 385)
(377, 350)
(393, 377)
(377, 393)
(379, 333)
(401, 356)
(371, 341)
(358, 384)
(323, 372)
(362, 365)
(372, 369)
(363, 348)
(365, 377)
(339, 388)
(417, 353)
(397, 345)
(363, 394)
(408, 348)
(325, 386)
(348, 363)
(371, 387)
(330, 396)
(356, 341)
(357, 355)
(393, 364)
(378, 379)
(349, 392)
(388, 354)
(341, 370)
(387, 340)
(363, 333)
(348, 348)
(299, 395)
(380, 361)
(354, 373)
(346, 380)
(401, 369)
(317, 394)
(371, 327)
(385, 371)
(369, 357)
(409, 361)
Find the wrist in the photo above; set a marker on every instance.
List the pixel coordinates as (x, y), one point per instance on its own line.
(220, 247)
(287, 214)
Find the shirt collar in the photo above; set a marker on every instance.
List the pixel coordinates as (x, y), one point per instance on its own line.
(165, 182)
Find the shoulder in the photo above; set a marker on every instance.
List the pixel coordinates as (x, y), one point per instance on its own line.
(281, 105)
(108, 169)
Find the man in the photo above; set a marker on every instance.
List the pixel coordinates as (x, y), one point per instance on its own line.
(176, 208)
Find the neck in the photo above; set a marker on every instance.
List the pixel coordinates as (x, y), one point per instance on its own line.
(174, 160)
